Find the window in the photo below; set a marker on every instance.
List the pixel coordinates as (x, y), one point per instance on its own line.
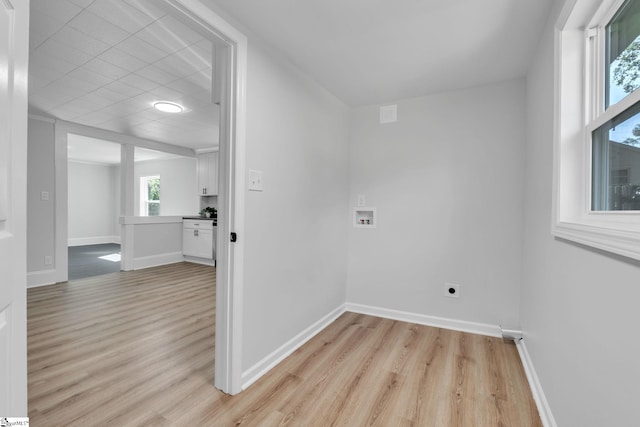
(616, 143)
(597, 133)
(150, 195)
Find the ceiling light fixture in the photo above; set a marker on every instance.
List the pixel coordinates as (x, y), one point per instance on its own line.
(168, 107)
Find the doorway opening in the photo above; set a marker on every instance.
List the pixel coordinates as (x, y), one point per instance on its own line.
(59, 86)
(93, 189)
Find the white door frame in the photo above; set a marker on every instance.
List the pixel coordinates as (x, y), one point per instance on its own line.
(230, 259)
(14, 54)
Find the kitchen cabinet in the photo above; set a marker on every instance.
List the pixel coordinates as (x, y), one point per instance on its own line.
(208, 174)
(198, 238)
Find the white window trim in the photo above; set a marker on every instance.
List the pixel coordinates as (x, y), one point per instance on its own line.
(617, 232)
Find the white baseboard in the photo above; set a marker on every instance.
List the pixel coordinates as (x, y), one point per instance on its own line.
(156, 260)
(423, 319)
(41, 278)
(536, 388)
(97, 240)
(197, 260)
(254, 373)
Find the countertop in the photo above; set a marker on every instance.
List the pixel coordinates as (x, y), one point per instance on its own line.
(202, 218)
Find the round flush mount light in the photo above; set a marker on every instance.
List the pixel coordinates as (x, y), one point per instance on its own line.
(168, 107)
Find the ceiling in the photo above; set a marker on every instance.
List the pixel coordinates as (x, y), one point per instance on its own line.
(103, 63)
(375, 51)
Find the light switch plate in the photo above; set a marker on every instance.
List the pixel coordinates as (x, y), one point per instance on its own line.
(361, 200)
(255, 180)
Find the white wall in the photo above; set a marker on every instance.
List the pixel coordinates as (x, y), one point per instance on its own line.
(447, 183)
(178, 185)
(93, 200)
(40, 213)
(295, 230)
(579, 306)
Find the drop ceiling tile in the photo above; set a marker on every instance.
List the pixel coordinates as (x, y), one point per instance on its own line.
(53, 95)
(119, 99)
(43, 103)
(169, 35)
(138, 103)
(195, 59)
(124, 89)
(122, 59)
(36, 38)
(121, 14)
(203, 48)
(96, 80)
(110, 95)
(44, 24)
(186, 87)
(201, 78)
(78, 107)
(135, 120)
(82, 3)
(92, 25)
(148, 7)
(153, 73)
(138, 82)
(168, 94)
(94, 118)
(76, 86)
(61, 10)
(45, 63)
(80, 41)
(181, 31)
(97, 101)
(156, 36)
(63, 52)
(37, 81)
(106, 69)
(117, 125)
(204, 96)
(142, 50)
(175, 65)
(115, 111)
(150, 115)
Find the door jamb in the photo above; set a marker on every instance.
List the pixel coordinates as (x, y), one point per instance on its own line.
(228, 357)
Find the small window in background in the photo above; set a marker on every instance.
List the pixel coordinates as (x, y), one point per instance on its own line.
(150, 196)
(616, 144)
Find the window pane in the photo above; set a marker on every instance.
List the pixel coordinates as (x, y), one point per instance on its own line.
(153, 209)
(153, 185)
(623, 52)
(616, 163)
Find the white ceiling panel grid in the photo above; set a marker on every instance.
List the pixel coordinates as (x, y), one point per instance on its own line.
(103, 63)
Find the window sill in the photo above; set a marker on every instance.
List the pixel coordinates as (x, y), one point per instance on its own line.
(617, 241)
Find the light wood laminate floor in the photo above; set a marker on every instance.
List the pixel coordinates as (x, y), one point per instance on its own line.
(136, 349)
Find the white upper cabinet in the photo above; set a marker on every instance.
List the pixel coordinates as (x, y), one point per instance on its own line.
(208, 174)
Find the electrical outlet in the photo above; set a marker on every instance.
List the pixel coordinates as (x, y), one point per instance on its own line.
(255, 180)
(48, 260)
(451, 290)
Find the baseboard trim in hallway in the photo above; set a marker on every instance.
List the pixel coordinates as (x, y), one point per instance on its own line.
(423, 319)
(534, 384)
(258, 370)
